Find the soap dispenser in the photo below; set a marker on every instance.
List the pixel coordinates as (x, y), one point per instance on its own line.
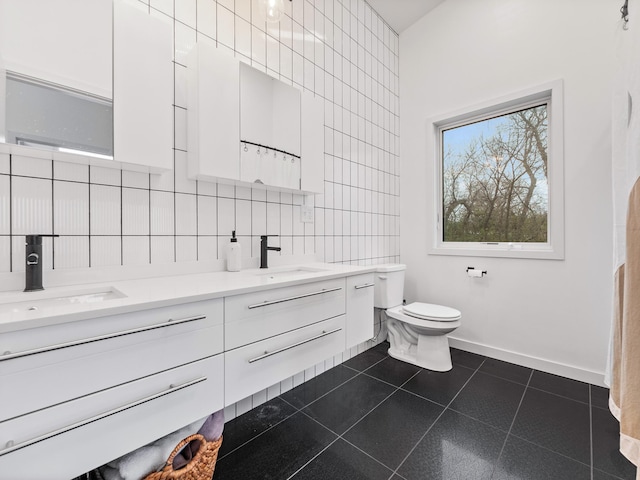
(234, 254)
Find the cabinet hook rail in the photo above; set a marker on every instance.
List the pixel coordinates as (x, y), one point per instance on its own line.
(267, 147)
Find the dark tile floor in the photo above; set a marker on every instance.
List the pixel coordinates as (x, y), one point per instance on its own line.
(374, 417)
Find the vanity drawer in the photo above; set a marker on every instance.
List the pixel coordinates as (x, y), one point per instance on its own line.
(255, 316)
(116, 350)
(259, 365)
(66, 440)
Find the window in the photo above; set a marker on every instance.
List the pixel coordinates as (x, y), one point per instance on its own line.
(499, 174)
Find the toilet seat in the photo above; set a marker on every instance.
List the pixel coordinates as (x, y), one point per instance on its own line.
(432, 312)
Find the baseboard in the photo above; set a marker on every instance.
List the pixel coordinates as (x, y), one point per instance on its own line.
(568, 371)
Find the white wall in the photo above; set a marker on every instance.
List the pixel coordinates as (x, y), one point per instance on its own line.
(548, 314)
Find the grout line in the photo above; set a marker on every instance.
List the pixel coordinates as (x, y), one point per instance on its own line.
(512, 423)
(261, 433)
(591, 431)
(437, 418)
(11, 266)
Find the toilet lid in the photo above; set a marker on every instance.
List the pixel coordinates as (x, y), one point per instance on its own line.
(430, 311)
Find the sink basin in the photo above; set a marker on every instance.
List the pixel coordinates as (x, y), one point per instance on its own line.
(285, 272)
(34, 301)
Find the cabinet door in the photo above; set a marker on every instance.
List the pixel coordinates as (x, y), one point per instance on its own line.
(312, 144)
(213, 115)
(142, 88)
(359, 309)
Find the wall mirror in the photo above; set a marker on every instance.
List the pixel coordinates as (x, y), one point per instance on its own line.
(90, 78)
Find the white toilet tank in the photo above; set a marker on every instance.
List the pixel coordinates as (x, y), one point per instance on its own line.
(389, 285)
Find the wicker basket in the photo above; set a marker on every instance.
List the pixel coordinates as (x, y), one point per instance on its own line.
(200, 467)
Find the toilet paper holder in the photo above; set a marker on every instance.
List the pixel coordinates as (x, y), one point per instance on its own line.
(476, 272)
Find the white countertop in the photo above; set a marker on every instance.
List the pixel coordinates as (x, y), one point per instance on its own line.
(143, 294)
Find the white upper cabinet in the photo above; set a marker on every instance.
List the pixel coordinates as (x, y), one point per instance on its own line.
(245, 126)
(213, 117)
(142, 88)
(88, 82)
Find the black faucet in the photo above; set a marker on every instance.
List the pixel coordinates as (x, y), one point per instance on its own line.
(264, 248)
(33, 258)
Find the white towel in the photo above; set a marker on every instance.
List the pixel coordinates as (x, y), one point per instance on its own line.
(109, 473)
(141, 462)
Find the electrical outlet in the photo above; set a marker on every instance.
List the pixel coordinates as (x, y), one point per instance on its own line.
(306, 214)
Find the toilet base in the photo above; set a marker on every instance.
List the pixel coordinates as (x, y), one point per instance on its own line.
(431, 352)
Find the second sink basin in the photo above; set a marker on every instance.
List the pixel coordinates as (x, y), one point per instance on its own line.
(33, 301)
(284, 272)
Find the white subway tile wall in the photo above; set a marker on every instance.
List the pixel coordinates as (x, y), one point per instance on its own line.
(340, 50)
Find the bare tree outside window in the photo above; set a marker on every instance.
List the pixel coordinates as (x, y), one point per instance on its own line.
(495, 186)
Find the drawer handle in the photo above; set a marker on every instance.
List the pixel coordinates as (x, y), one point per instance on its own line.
(364, 285)
(10, 447)
(74, 343)
(280, 350)
(288, 299)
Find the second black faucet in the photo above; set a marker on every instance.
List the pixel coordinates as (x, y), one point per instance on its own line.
(264, 248)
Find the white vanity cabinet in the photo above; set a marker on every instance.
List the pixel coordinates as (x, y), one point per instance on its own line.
(359, 309)
(274, 334)
(78, 395)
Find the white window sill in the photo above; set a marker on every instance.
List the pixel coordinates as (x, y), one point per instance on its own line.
(503, 250)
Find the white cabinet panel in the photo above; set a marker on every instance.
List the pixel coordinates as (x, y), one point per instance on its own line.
(259, 365)
(359, 309)
(255, 316)
(312, 144)
(142, 88)
(213, 116)
(77, 436)
(67, 42)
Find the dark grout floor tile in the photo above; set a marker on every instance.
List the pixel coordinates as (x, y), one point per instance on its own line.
(365, 359)
(456, 447)
(344, 406)
(393, 371)
(489, 399)
(599, 475)
(466, 359)
(342, 460)
(304, 394)
(440, 387)
(278, 453)
(556, 423)
(393, 428)
(599, 397)
(382, 346)
(245, 427)
(565, 387)
(524, 460)
(506, 370)
(606, 444)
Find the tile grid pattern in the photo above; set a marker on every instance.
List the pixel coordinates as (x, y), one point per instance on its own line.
(431, 426)
(339, 49)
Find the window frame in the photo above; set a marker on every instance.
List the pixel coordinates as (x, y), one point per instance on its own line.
(550, 93)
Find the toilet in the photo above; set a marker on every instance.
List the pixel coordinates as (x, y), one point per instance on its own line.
(417, 331)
